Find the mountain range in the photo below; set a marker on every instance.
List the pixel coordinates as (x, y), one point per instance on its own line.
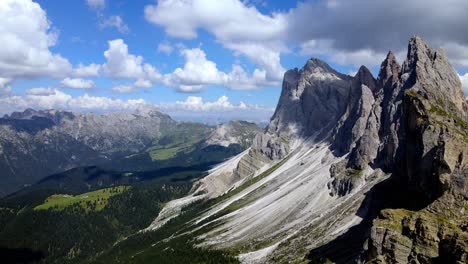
(36, 144)
(350, 169)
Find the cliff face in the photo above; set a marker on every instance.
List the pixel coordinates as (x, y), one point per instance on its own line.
(311, 102)
(433, 164)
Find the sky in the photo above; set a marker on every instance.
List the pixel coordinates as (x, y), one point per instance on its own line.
(202, 60)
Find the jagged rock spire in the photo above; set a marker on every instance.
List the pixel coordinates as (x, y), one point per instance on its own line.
(364, 77)
(389, 71)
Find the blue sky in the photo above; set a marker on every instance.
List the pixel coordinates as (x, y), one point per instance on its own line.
(199, 59)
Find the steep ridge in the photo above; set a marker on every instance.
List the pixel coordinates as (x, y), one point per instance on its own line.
(317, 171)
(433, 165)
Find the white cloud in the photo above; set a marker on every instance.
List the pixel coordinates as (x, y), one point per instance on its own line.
(114, 21)
(143, 83)
(121, 64)
(265, 56)
(123, 89)
(5, 88)
(77, 83)
(44, 100)
(239, 79)
(229, 20)
(87, 102)
(165, 48)
(198, 73)
(26, 35)
(464, 81)
(196, 108)
(355, 36)
(96, 4)
(238, 27)
(41, 91)
(197, 104)
(59, 100)
(91, 70)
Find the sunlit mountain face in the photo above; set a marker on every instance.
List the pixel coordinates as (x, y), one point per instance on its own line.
(196, 131)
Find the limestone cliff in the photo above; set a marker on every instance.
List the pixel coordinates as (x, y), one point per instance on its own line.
(433, 165)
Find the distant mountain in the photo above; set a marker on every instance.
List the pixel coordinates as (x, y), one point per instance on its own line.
(35, 144)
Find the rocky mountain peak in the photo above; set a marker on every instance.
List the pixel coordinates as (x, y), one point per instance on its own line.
(364, 77)
(317, 69)
(311, 100)
(316, 64)
(430, 73)
(389, 71)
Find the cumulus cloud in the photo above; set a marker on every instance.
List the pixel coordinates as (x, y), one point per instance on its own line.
(350, 32)
(41, 91)
(238, 27)
(195, 107)
(123, 89)
(199, 72)
(196, 103)
(121, 64)
(91, 70)
(77, 83)
(26, 36)
(48, 98)
(227, 19)
(196, 73)
(143, 83)
(116, 22)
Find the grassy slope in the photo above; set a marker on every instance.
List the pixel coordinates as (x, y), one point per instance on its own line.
(90, 201)
(173, 243)
(78, 231)
(182, 139)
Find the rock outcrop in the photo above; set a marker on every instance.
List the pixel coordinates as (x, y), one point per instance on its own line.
(433, 141)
